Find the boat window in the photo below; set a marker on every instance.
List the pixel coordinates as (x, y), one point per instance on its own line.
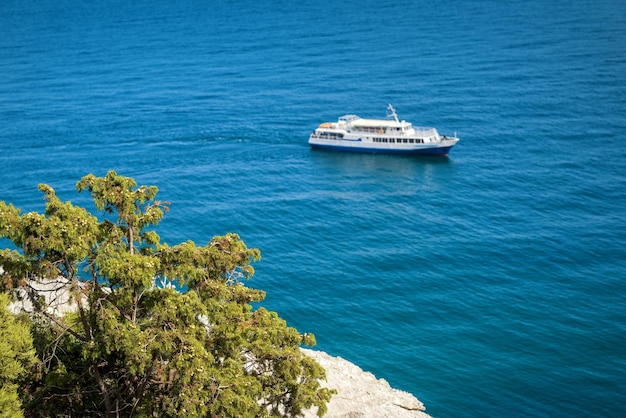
(329, 135)
(369, 129)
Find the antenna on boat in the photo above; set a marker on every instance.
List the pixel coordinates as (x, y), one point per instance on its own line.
(391, 112)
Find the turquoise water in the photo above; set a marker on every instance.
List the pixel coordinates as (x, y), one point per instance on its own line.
(490, 283)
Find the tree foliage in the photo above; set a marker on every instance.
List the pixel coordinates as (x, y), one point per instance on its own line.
(157, 330)
(17, 356)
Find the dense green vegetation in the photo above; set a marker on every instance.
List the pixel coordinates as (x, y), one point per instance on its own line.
(135, 345)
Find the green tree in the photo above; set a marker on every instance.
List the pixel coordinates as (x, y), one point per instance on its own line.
(157, 330)
(17, 356)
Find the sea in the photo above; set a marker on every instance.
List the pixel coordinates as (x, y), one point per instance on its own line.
(489, 283)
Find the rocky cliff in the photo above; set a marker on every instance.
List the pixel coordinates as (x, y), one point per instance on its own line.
(360, 394)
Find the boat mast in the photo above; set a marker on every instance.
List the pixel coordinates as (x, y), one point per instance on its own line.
(392, 112)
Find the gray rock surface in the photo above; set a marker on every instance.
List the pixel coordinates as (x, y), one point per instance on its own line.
(56, 293)
(360, 394)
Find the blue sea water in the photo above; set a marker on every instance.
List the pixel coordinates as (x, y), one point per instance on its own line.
(491, 283)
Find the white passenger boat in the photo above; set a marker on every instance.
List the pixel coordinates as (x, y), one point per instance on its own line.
(389, 136)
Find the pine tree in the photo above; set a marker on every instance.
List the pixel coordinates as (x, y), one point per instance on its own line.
(17, 356)
(157, 330)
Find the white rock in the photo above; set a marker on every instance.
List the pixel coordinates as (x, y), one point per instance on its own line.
(56, 293)
(360, 394)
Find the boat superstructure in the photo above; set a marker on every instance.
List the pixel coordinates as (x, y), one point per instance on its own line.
(352, 133)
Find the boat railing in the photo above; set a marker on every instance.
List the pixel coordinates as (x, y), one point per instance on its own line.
(370, 129)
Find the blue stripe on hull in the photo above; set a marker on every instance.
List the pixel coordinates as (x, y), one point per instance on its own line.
(443, 151)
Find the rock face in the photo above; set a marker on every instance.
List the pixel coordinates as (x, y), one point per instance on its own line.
(360, 394)
(56, 293)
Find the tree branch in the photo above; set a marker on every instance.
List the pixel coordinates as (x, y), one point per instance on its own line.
(63, 327)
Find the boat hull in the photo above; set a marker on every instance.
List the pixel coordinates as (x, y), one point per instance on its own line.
(440, 151)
